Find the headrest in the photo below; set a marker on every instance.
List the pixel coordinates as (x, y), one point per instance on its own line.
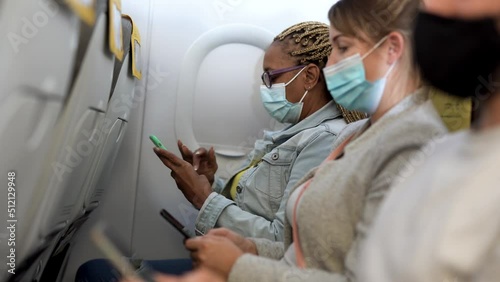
(127, 35)
(101, 6)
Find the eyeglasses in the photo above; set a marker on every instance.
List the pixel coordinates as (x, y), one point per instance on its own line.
(267, 77)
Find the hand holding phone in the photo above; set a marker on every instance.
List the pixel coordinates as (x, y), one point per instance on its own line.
(176, 224)
(157, 142)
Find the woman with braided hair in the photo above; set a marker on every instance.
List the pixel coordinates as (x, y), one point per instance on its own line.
(253, 201)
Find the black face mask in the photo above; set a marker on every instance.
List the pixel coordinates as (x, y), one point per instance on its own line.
(458, 56)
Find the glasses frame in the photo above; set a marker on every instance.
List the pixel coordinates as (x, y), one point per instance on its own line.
(268, 75)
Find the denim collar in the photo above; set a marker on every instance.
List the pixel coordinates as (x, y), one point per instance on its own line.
(328, 112)
(273, 139)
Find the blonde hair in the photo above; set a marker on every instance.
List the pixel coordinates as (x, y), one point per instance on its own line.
(375, 18)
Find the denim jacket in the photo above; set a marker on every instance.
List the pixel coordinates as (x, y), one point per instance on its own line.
(262, 192)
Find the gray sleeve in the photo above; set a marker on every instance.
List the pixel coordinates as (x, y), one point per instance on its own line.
(391, 172)
(254, 268)
(251, 225)
(269, 249)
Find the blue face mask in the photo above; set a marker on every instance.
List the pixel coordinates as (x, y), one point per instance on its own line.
(276, 104)
(348, 86)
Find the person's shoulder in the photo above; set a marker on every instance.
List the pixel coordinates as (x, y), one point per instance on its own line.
(415, 126)
(351, 128)
(355, 126)
(333, 126)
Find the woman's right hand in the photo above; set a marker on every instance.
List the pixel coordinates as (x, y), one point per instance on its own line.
(203, 161)
(246, 245)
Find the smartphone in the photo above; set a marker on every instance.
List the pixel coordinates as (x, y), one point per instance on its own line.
(176, 224)
(111, 247)
(157, 142)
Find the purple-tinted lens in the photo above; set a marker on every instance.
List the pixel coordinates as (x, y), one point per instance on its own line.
(266, 79)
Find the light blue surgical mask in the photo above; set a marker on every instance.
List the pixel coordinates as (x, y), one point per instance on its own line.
(276, 104)
(348, 86)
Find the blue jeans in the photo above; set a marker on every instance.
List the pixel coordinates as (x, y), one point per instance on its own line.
(101, 270)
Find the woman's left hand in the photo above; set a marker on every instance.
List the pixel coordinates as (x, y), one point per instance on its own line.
(195, 187)
(245, 244)
(214, 252)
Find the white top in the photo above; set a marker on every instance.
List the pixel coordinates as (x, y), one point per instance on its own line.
(443, 222)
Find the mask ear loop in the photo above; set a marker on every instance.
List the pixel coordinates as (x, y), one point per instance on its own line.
(390, 70)
(375, 47)
(297, 75)
(303, 97)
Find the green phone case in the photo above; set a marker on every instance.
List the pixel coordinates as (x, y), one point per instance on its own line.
(157, 142)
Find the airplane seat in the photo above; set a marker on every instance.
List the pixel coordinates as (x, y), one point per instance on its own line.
(75, 141)
(127, 27)
(37, 56)
(78, 137)
(196, 126)
(118, 115)
(113, 128)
